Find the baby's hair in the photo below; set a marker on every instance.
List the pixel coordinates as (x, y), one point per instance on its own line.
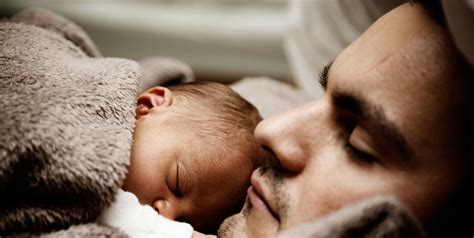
(213, 107)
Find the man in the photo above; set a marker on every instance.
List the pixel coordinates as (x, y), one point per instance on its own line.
(394, 120)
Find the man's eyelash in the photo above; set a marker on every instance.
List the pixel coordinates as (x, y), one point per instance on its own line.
(361, 156)
(323, 76)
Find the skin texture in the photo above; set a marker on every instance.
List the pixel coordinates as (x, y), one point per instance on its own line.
(327, 155)
(174, 170)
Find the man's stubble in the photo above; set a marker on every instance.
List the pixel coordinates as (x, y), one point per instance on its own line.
(273, 174)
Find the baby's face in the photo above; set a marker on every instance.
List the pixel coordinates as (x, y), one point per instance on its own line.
(185, 176)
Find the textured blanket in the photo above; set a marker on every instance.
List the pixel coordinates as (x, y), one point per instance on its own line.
(66, 124)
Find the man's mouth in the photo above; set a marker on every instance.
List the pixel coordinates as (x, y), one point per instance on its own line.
(257, 198)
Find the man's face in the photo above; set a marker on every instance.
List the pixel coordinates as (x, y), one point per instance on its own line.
(384, 126)
(184, 174)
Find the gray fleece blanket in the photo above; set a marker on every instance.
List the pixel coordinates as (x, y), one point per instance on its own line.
(66, 122)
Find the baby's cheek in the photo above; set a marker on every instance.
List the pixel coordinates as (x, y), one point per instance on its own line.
(134, 183)
(213, 209)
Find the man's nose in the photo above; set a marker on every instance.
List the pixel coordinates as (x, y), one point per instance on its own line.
(168, 208)
(290, 135)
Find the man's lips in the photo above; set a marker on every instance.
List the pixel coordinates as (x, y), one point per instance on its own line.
(257, 198)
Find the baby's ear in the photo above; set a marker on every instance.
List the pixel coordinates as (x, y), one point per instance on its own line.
(156, 97)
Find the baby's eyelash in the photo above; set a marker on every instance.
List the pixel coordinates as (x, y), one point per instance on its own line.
(177, 188)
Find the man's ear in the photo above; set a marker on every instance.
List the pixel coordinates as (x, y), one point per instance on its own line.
(155, 97)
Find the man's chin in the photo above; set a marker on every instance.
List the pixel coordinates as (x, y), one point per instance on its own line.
(234, 226)
(247, 223)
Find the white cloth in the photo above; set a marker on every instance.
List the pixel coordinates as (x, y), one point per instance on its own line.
(137, 220)
(320, 29)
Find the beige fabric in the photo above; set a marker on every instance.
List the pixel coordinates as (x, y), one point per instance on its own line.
(269, 96)
(320, 29)
(163, 71)
(56, 23)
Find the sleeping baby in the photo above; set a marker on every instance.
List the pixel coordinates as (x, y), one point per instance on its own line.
(192, 156)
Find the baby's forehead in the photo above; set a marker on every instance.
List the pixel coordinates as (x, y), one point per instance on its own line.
(222, 167)
(223, 152)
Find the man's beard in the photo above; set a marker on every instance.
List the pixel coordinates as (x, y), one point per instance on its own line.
(272, 172)
(234, 226)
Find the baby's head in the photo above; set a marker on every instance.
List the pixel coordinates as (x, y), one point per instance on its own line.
(193, 152)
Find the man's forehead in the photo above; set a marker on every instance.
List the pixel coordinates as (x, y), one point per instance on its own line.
(419, 53)
(391, 35)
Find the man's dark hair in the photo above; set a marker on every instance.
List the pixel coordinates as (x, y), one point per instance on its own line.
(433, 7)
(452, 219)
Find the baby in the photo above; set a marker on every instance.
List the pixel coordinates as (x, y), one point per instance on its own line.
(192, 155)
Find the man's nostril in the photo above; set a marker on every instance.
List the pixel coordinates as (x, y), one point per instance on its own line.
(270, 156)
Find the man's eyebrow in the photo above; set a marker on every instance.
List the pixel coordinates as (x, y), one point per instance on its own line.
(373, 113)
(323, 76)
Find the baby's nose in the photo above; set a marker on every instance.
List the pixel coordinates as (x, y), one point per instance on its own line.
(168, 209)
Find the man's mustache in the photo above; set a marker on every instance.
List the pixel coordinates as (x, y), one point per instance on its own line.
(273, 173)
(272, 164)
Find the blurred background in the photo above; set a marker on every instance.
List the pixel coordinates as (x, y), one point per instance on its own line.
(226, 40)
(222, 40)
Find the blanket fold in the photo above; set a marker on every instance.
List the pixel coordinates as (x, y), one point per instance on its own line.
(55, 23)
